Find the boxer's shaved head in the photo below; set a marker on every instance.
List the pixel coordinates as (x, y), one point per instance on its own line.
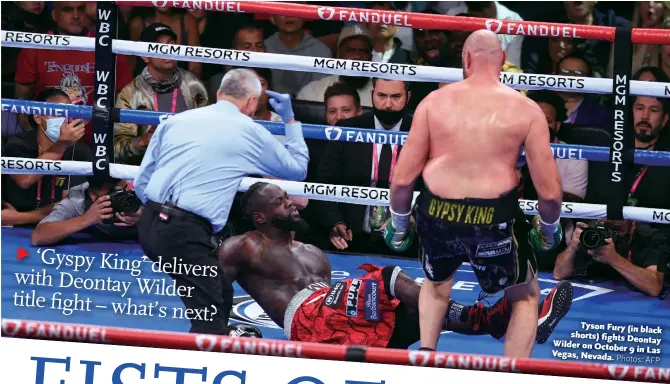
(482, 52)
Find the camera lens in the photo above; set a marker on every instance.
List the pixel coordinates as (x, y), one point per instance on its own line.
(590, 238)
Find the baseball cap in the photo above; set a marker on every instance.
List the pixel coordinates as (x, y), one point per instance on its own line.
(151, 33)
(354, 30)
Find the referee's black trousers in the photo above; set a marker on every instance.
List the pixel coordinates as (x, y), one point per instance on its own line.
(188, 238)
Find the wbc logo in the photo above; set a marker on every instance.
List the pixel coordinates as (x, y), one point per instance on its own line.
(326, 13)
(494, 25)
(336, 130)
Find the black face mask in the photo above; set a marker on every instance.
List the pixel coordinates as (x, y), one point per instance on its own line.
(389, 117)
(552, 136)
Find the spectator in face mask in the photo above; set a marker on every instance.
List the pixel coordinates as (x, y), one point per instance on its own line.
(27, 199)
(355, 43)
(356, 228)
(71, 71)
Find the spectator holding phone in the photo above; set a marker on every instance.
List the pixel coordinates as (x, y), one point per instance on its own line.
(28, 198)
(105, 206)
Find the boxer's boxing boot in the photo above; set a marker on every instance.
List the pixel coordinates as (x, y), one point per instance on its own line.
(545, 237)
(494, 320)
(554, 307)
(399, 231)
(244, 330)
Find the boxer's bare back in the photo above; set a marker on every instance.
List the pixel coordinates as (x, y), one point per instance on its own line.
(476, 134)
(466, 137)
(465, 140)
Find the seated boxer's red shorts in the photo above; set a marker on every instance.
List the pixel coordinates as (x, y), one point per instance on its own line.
(350, 312)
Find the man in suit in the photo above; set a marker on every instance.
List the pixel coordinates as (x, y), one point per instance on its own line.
(356, 227)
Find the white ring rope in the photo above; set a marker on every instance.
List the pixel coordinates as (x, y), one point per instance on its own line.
(328, 66)
(317, 191)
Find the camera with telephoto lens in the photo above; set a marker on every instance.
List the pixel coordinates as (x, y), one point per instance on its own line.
(124, 201)
(594, 237)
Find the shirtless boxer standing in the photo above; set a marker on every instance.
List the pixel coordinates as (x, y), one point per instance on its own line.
(465, 141)
(291, 282)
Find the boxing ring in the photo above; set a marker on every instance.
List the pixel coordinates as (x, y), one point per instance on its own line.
(597, 303)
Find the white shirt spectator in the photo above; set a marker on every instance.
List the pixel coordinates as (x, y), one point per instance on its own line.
(383, 57)
(510, 43)
(574, 175)
(450, 7)
(315, 90)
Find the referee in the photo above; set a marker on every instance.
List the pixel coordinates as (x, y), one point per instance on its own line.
(188, 179)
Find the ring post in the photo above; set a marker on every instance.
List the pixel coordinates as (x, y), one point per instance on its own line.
(622, 146)
(105, 82)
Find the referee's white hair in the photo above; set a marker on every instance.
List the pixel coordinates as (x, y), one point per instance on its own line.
(240, 84)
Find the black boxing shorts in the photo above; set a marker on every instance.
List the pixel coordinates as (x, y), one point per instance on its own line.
(491, 234)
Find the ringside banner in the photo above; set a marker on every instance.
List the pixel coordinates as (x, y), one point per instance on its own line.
(51, 362)
(526, 81)
(325, 192)
(412, 19)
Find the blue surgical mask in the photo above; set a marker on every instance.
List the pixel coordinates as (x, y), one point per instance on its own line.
(53, 128)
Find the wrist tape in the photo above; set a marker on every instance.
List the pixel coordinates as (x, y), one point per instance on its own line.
(400, 220)
(551, 228)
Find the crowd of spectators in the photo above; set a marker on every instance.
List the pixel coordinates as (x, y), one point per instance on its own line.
(640, 255)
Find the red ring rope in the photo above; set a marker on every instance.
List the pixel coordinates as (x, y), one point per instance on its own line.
(415, 20)
(211, 343)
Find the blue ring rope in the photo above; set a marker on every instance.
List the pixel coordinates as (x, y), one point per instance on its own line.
(314, 131)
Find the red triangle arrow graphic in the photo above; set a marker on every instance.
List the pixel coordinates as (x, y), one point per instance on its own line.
(21, 253)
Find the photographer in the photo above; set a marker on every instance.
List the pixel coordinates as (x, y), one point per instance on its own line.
(612, 249)
(104, 206)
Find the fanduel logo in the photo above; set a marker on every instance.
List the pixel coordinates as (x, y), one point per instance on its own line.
(494, 25)
(617, 371)
(205, 342)
(10, 327)
(419, 358)
(326, 13)
(336, 130)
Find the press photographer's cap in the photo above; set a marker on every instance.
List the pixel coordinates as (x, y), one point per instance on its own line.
(151, 33)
